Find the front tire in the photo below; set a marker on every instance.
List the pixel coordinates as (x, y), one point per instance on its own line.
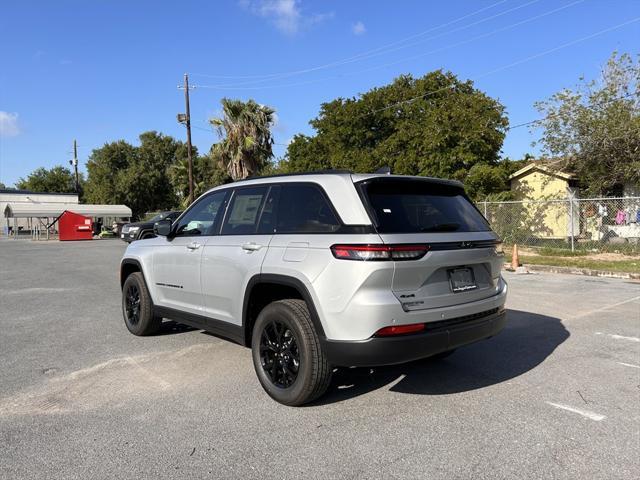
(287, 355)
(137, 307)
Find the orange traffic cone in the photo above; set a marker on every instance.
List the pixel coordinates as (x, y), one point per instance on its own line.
(515, 261)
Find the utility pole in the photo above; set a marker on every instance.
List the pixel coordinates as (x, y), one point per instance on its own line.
(74, 162)
(186, 119)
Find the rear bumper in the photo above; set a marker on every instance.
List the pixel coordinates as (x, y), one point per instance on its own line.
(439, 337)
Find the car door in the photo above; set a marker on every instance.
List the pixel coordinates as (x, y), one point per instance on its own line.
(231, 258)
(177, 258)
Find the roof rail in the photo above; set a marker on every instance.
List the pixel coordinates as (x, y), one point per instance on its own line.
(327, 171)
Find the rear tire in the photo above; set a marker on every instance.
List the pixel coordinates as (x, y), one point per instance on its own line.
(137, 307)
(287, 355)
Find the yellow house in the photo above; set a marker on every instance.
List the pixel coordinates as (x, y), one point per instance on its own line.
(545, 195)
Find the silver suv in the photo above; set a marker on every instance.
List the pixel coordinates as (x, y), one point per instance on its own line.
(316, 271)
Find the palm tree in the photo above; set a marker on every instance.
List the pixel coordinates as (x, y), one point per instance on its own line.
(246, 142)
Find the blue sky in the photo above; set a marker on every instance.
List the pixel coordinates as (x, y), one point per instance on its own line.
(103, 70)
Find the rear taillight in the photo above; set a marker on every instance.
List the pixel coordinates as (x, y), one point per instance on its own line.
(379, 252)
(400, 330)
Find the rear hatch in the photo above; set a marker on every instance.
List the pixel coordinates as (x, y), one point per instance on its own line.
(462, 262)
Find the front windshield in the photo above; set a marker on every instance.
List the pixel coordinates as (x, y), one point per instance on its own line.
(156, 218)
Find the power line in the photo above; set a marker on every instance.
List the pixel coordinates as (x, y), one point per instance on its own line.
(392, 47)
(510, 65)
(499, 69)
(413, 57)
(202, 128)
(337, 62)
(589, 107)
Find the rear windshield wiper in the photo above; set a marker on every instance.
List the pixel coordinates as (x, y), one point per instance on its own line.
(441, 227)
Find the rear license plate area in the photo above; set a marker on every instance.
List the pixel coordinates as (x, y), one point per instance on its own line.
(462, 279)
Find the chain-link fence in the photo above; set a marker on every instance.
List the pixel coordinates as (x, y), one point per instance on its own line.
(592, 224)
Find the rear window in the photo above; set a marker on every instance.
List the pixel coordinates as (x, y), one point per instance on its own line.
(413, 206)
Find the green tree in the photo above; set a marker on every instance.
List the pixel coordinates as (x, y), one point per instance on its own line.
(491, 182)
(138, 177)
(104, 167)
(595, 128)
(2, 186)
(435, 125)
(146, 183)
(484, 180)
(245, 129)
(58, 179)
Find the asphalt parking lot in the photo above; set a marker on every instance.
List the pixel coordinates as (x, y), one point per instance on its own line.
(555, 395)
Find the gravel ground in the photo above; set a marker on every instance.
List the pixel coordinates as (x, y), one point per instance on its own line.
(555, 395)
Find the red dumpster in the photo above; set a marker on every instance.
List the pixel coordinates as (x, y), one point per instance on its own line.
(73, 226)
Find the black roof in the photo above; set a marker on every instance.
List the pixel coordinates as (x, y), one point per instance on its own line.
(29, 192)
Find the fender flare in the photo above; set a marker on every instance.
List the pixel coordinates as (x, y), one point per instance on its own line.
(131, 261)
(286, 281)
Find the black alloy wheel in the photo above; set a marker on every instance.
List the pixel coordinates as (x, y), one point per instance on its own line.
(132, 304)
(287, 354)
(137, 307)
(279, 354)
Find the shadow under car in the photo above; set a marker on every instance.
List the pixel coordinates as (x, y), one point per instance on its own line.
(525, 342)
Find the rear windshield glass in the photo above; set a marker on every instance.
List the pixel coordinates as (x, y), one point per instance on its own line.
(418, 206)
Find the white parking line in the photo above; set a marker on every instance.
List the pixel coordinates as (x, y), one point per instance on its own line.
(585, 413)
(619, 337)
(629, 365)
(606, 307)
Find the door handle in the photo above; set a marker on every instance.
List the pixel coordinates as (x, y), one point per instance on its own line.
(193, 246)
(251, 246)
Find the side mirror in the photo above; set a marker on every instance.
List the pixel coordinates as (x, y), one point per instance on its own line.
(162, 228)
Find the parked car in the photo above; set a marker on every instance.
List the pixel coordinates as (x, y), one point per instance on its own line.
(144, 229)
(323, 270)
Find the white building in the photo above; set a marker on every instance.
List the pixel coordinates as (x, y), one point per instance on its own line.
(25, 197)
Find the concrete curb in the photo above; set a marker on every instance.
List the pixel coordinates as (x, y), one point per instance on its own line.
(582, 271)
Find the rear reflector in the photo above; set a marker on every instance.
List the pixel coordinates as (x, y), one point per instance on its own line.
(379, 252)
(400, 330)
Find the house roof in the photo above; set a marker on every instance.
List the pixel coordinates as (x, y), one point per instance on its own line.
(42, 210)
(537, 166)
(16, 191)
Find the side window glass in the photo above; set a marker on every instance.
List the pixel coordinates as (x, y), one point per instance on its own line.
(304, 209)
(267, 223)
(201, 218)
(244, 211)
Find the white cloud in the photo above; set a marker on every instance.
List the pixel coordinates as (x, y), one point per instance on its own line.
(286, 15)
(9, 124)
(358, 28)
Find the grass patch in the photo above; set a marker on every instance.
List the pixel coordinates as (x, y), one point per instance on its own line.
(560, 252)
(625, 266)
(584, 247)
